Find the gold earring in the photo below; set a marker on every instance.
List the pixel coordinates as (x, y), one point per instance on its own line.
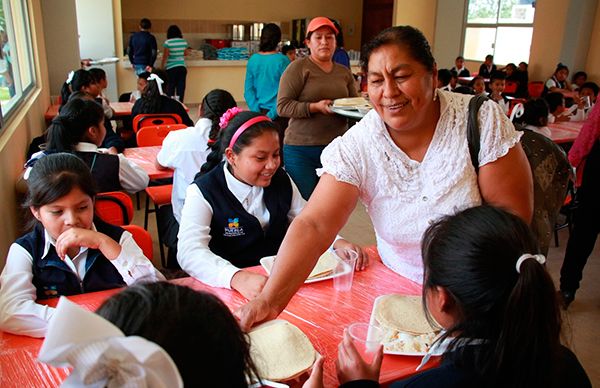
(434, 94)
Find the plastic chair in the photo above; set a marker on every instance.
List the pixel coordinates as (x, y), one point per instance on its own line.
(147, 119)
(114, 207)
(160, 196)
(535, 89)
(510, 87)
(155, 135)
(142, 239)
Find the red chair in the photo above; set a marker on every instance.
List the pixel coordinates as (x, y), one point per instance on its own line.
(535, 89)
(146, 119)
(142, 239)
(114, 207)
(514, 102)
(160, 196)
(155, 135)
(510, 87)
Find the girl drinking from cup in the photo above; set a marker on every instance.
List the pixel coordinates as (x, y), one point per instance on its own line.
(68, 251)
(238, 210)
(487, 287)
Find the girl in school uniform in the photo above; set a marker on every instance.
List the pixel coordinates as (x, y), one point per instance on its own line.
(238, 210)
(79, 129)
(486, 286)
(67, 252)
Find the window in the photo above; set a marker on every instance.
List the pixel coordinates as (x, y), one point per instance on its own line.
(16, 60)
(502, 28)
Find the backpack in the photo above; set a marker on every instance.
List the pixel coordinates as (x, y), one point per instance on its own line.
(550, 169)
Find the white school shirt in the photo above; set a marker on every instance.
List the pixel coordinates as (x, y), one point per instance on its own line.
(20, 314)
(193, 253)
(541, 130)
(185, 151)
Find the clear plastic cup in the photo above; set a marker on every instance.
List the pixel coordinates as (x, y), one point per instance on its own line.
(343, 272)
(366, 339)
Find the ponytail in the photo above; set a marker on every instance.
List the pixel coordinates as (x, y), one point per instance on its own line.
(71, 125)
(213, 106)
(75, 83)
(151, 96)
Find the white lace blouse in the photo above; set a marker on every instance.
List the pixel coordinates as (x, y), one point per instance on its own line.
(403, 196)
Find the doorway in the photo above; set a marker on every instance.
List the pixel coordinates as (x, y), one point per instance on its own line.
(377, 16)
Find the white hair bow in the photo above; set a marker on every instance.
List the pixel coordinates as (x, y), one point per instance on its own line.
(101, 355)
(517, 111)
(70, 77)
(539, 258)
(158, 80)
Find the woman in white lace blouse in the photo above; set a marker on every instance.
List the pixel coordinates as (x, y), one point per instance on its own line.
(408, 162)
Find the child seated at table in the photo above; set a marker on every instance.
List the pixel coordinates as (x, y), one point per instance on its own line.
(556, 108)
(588, 92)
(238, 210)
(79, 129)
(487, 287)
(99, 77)
(497, 83)
(444, 78)
(478, 85)
(535, 117)
(68, 251)
(185, 151)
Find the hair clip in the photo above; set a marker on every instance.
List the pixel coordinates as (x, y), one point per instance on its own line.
(539, 258)
(228, 115)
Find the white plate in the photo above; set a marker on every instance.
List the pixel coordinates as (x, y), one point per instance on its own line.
(267, 264)
(373, 322)
(353, 113)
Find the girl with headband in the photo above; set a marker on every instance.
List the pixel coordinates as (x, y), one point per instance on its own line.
(486, 286)
(238, 210)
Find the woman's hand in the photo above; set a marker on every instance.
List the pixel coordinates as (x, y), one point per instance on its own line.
(316, 374)
(256, 311)
(249, 284)
(363, 259)
(350, 365)
(322, 106)
(79, 237)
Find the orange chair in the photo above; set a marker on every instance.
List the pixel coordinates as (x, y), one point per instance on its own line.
(114, 207)
(146, 119)
(160, 196)
(155, 135)
(142, 239)
(510, 87)
(535, 89)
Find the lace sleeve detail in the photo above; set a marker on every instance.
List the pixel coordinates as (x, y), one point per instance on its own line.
(498, 135)
(339, 161)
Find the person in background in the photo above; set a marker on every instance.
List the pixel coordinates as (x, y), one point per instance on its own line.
(556, 107)
(453, 80)
(340, 54)
(444, 78)
(482, 272)
(497, 84)
(535, 116)
(68, 252)
(306, 91)
(185, 151)
(487, 67)
(154, 101)
(559, 82)
(589, 90)
(289, 51)
(175, 48)
(142, 48)
(99, 77)
(459, 67)
(478, 85)
(578, 79)
(523, 91)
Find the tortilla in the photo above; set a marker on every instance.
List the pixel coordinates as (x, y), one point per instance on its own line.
(403, 313)
(280, 350)
(351, 102)
(324, 266)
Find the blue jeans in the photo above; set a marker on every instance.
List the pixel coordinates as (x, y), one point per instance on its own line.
(139, 69)
(300, 163)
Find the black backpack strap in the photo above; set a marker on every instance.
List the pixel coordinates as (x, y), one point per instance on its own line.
(473, 134)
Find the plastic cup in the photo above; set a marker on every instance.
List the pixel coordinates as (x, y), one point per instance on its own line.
(343, 272)
(586, 102)
(366, 339)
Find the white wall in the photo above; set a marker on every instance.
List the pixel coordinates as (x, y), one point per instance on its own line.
(448, 38)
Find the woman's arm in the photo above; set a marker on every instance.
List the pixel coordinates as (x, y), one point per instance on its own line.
(309, 235)
(164, 57)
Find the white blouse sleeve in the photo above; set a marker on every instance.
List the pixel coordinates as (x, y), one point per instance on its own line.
(339, 159)
(19, 313)
(132, 177)
(132, 264)
(498, 135)
(193, 253)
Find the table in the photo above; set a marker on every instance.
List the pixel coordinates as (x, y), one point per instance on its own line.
(122, 109)
(565, 132)
(145, 157)
(317, 309)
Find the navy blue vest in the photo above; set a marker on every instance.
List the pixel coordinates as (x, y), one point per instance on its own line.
(52, 277)
(105, 170)
(237, 235)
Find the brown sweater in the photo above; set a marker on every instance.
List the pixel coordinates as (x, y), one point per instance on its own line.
(304, 82)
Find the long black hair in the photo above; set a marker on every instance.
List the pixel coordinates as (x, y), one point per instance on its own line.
(213, 106)
(151, 97)
(71, 124)
(174, 32)
(195, 328)
(81, 78)
(224, 137)
(269, 37)
(473, 255)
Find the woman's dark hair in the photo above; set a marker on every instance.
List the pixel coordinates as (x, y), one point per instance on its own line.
(71, 124)
(578, 74)
(81, 78)
(213, 106)
(473, 255)
(339, 38)
(53, 176)
(554, 100)
(406, 37)
(224, 137)
(150, 101)
(195, 328)
(560, 67)
(97, 74)
(174, 32)
(269, 37)
(536, 113)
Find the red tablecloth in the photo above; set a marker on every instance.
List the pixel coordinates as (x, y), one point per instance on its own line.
(317, 309)
(121, 109)
(145, 157)
(565, 132)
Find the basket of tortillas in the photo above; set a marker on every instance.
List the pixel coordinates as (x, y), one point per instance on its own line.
(323, 270)
(280, 350)
(406, 329)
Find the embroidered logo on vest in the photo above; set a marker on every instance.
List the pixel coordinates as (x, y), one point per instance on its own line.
(50, 291)
(233, 228)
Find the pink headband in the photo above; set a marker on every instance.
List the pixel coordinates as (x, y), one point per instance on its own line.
(245, 126)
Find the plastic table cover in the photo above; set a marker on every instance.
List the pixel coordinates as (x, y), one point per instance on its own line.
(565, 132)
(145, 157)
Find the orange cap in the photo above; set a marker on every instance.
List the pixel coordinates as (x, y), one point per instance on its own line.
(318, 22)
